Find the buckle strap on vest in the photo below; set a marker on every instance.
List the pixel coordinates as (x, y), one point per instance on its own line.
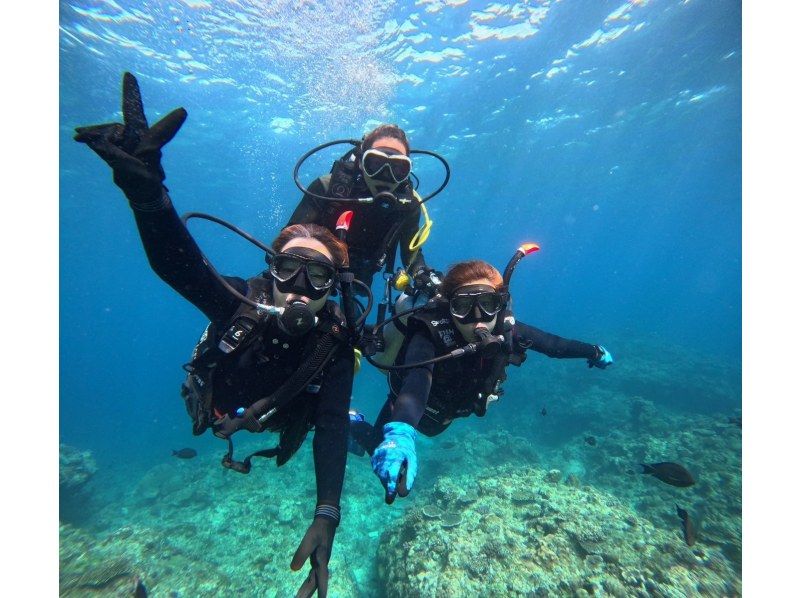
(244, 466)
(256, 416)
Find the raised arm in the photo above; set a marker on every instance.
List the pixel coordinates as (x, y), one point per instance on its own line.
(133, 150)
(174, 255)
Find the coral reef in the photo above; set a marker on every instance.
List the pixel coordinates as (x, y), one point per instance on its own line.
(92, 566)
(710, 447)
(564, 541)
(193, 528)
(512, 504)
(75, 470)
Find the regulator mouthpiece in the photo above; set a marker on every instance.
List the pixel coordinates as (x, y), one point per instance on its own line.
(489, 344)
(385, 199)
(297, 319)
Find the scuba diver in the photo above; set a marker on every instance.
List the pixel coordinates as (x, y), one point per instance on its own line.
(374, 180)
(277, 354)
(451, 364)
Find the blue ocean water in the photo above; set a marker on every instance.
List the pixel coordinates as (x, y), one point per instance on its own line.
(607, 132)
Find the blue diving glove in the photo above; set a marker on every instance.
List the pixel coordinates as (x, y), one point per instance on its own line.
(602, 360)
(395, 454)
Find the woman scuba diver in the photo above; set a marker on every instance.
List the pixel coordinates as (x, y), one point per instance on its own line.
(277, 354)
(451, 364)
(374, 180)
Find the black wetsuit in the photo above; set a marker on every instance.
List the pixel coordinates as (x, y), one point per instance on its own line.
(266, 364)
(430, 397)
(374, 231)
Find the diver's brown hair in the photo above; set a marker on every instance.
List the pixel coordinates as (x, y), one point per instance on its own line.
(466, 272)
(337, 248)
(392, 131)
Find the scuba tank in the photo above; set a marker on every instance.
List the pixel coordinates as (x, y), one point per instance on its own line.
(410, 298)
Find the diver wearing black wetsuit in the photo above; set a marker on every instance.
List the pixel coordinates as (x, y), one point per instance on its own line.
(295, 360)
(378, 168)
(429, 397)
(452, 362)
(266, 363)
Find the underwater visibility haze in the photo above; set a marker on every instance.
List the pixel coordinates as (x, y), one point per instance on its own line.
(609, 133)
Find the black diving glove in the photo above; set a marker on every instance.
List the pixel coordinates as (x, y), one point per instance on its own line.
(317, 544)
(133, 150)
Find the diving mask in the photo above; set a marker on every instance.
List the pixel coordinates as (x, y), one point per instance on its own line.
(384, 169)
(386, 165)
(475, 303)
(303, 271)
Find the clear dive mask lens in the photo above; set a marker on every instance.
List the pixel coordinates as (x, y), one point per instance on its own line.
(378, 164)
(489, 303)
(285, 266)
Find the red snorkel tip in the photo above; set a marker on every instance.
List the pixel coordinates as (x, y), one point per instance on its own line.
(343, 223)
(521, 252)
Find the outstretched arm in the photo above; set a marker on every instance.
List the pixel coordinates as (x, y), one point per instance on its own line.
(413, 396)
(174, 255)
(528, 337)
(394, 460)
(332, 427)
(330, 456)
(133, 150)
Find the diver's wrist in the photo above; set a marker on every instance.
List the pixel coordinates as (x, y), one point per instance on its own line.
(159, 202)
(331, 512)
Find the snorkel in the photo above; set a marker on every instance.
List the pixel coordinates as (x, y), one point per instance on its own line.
(346, 279)
(505, 319)
(521, 252)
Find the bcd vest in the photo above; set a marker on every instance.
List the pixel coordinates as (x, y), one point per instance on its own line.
(463, 385)
(236, 345)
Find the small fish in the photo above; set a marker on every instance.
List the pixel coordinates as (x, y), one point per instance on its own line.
(591, 440)
(448, 444)
(139, 591)
(185, 453)
(544, 411)
(736, 421)
(669, 473)
(689, 534)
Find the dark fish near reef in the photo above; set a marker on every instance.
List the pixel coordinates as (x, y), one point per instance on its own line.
(591, 440)
(448, 444)
(669, 473)
(689, 534)
(185, 453)
(736, 421)
(139, 591)
(544, 411)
